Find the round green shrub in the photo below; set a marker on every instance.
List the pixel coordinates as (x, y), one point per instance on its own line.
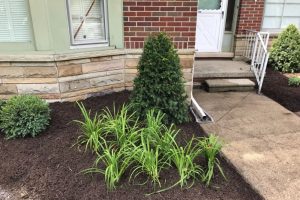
(285, 51)
(24, 115)
(159, 84)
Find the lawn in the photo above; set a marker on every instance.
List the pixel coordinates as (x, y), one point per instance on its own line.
(48, 167)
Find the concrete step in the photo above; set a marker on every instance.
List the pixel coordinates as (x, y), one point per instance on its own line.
(227, 85)
(211, 69)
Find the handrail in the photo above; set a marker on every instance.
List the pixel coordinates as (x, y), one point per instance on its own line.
(257, 52)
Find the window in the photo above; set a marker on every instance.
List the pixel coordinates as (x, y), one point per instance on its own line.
(14, 23)
(280, 13)
(209, 4)
(88, 21)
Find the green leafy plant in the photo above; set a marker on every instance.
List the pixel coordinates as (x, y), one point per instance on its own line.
(24, 115)
(92, 129)
(159, 84)
(121, 125)
(156, 131)
(184, 160)
(285, 51)
(2, 103)
(115, 164)
(294, 81)
(211, 148)
(123, 143)
(148, 159)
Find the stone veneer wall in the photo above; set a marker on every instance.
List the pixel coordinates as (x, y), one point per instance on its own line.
(71, 77)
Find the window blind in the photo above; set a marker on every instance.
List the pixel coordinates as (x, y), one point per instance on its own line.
(87, 21)
(14, 24)
(280, 13)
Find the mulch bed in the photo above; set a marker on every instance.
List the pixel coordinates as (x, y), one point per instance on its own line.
(276, 87)
(47, 166)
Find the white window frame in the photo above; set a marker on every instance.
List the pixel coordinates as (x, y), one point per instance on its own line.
(276, 30)
(90, 43)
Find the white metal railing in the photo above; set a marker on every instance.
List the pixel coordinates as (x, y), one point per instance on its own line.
(256, 51)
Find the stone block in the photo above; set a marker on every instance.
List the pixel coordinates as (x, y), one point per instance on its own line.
(129, 77)
(80, 84)
(5, 64)
(11, 72)
(69, 70)
(33, 64)
(187, 62)
(40, 72)
(73, 62)
(82, 76)
(102, 66)
(101, 59)
(107, 80)
(131, 63)
(113, 72)
(91, 90)
(131, 71)
(74, 85)
(37, 88)
(6, 89)
(29, 80)
(188, 76)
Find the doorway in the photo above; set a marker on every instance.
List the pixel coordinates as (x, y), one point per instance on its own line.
(216, 21)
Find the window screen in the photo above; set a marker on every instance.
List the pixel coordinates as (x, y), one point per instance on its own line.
(14, 22)
(87, 21)
(280, 13)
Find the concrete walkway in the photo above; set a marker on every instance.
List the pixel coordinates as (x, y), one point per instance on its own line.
(262, 140)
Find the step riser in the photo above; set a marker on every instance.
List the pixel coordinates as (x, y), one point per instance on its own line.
(229, 85)
(231, 89)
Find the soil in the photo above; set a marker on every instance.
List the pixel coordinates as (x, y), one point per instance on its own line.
(48, 167)
(276, 87)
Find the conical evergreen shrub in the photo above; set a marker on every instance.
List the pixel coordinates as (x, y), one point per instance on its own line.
(285, 51)
(159, 84)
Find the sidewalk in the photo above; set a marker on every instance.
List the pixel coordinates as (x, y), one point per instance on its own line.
(262, 140)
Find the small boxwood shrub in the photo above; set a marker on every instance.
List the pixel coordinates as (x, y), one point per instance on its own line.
(24, 115)
(159, 84)
(294, 81)
(285, 51)
(2, 102)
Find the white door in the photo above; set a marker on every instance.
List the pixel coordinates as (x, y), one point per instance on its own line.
(210, 25)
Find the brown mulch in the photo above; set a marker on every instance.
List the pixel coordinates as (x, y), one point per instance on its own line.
(276, 87)
(47, 166)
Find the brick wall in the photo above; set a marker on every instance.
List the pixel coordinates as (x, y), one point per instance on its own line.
(250, 15)
(176, 17)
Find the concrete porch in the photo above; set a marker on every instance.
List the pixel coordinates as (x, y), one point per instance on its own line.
(223, 74)
(221, 68)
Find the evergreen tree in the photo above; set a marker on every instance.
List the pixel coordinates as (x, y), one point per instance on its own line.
(159, 84)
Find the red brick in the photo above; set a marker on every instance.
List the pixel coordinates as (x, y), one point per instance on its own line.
(175, 17)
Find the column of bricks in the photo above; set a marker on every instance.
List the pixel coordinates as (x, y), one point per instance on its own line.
(175, 17)
(250, 15)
